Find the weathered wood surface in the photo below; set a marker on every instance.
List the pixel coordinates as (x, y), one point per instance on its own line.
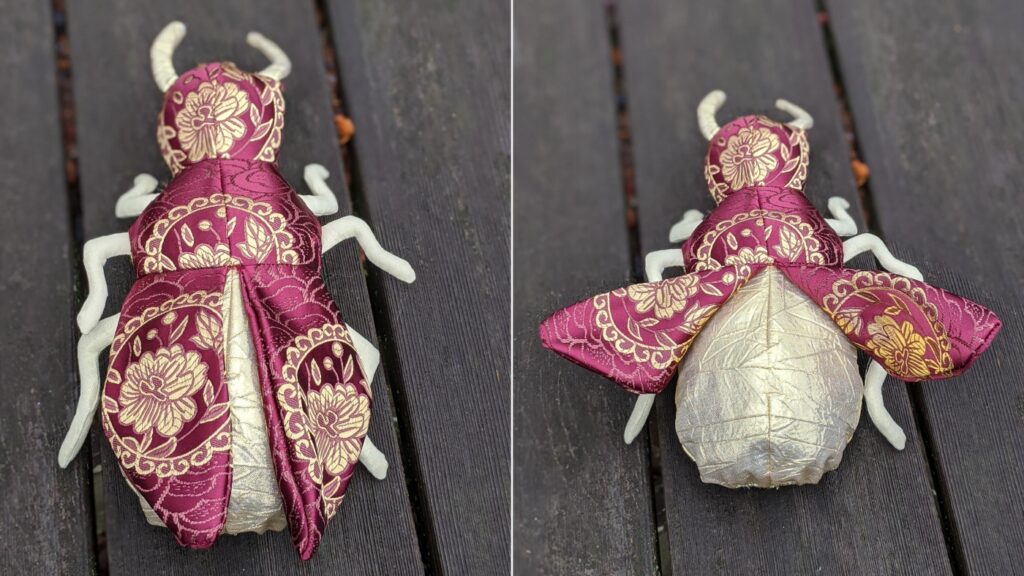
(45, 512)
(935, 91)
(856, 520)
(116, 105)
(427, 84)
(582, 496)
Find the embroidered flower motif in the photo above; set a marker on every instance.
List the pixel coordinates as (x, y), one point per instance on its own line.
(666, 298)
(747, 158)
(206, 256)
(209, 122)
(338, 418)
(747, 255)
(899, 345)
(157, 389)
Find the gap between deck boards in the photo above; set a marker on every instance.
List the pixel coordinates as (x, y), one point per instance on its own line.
(915, 394)
(418, 501)
(66, 101)
(627, 168)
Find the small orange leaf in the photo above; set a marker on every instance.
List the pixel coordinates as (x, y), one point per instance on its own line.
(345, 127)
(860, 171)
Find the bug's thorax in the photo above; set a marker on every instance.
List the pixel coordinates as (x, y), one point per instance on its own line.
(225, 212)
(763, 225)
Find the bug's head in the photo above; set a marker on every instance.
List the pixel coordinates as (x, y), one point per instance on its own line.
(753, 150)
(216, 110)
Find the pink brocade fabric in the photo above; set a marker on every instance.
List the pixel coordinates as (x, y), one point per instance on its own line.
(165, 401)
(755, 169)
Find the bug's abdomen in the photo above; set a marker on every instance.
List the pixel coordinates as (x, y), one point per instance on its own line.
(769, 394)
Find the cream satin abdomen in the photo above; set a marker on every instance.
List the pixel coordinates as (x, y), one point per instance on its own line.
(769, 393)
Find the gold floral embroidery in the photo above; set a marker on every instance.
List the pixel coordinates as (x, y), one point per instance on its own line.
(210, 121)
(143, 455)
(658, 350)
(796, 235)
(666, 298)
(748, 157)
(747, 255)
(157, 388)
(304, 423)
(266, 231)
(207, 257)
(339, 418)
(895, 341)
(902, 348)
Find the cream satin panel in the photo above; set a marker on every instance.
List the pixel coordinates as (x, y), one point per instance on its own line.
(769, 394)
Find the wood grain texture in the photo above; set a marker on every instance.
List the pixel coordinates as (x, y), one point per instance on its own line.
(876, 513)
(45, 512)
(427, 85)
(935, 91)
(116, 103)
(582, 496)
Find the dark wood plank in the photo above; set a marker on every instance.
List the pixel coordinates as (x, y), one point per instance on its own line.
(46, 512)
(427, 84)
(117, 102)
(935, 91)
(876, 513)
(582, 496)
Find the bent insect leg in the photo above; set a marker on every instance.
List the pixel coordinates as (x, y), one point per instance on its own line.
(369, 359)
(352, 227)
(94, 255)
(682, 230)
(873, 380)
(90, 346)
(655, 265)
(134, 201)
(875, 375)
(841, 221)
(323, 201)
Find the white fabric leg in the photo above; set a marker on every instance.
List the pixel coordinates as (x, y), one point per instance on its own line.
(369, 359)
(89, 348)
(369, 356)
(349, 227)
(134, 201)
(873, 380)
(638, 418)
(373, 459)
(655, 264)
(95, 254)
(869, 242)
(841, 220)
(875, 375)
(684, 228)
(323, 202)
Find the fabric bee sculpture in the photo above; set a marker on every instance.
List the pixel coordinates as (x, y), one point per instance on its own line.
(236, 399)
(764, 325)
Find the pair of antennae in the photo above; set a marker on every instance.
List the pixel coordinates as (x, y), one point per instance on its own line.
(714, 100)
(162, 51)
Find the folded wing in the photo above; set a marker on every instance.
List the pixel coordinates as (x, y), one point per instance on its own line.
(915, 331)
(637, 335)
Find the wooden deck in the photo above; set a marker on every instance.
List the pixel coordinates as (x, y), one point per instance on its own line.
(426, 85)
(608, 156)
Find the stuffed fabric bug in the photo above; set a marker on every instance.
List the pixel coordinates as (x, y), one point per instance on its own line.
(236, 399)
(764, 325)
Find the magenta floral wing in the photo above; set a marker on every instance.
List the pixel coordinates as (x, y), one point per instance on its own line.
(637, 335)
(916, 331)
